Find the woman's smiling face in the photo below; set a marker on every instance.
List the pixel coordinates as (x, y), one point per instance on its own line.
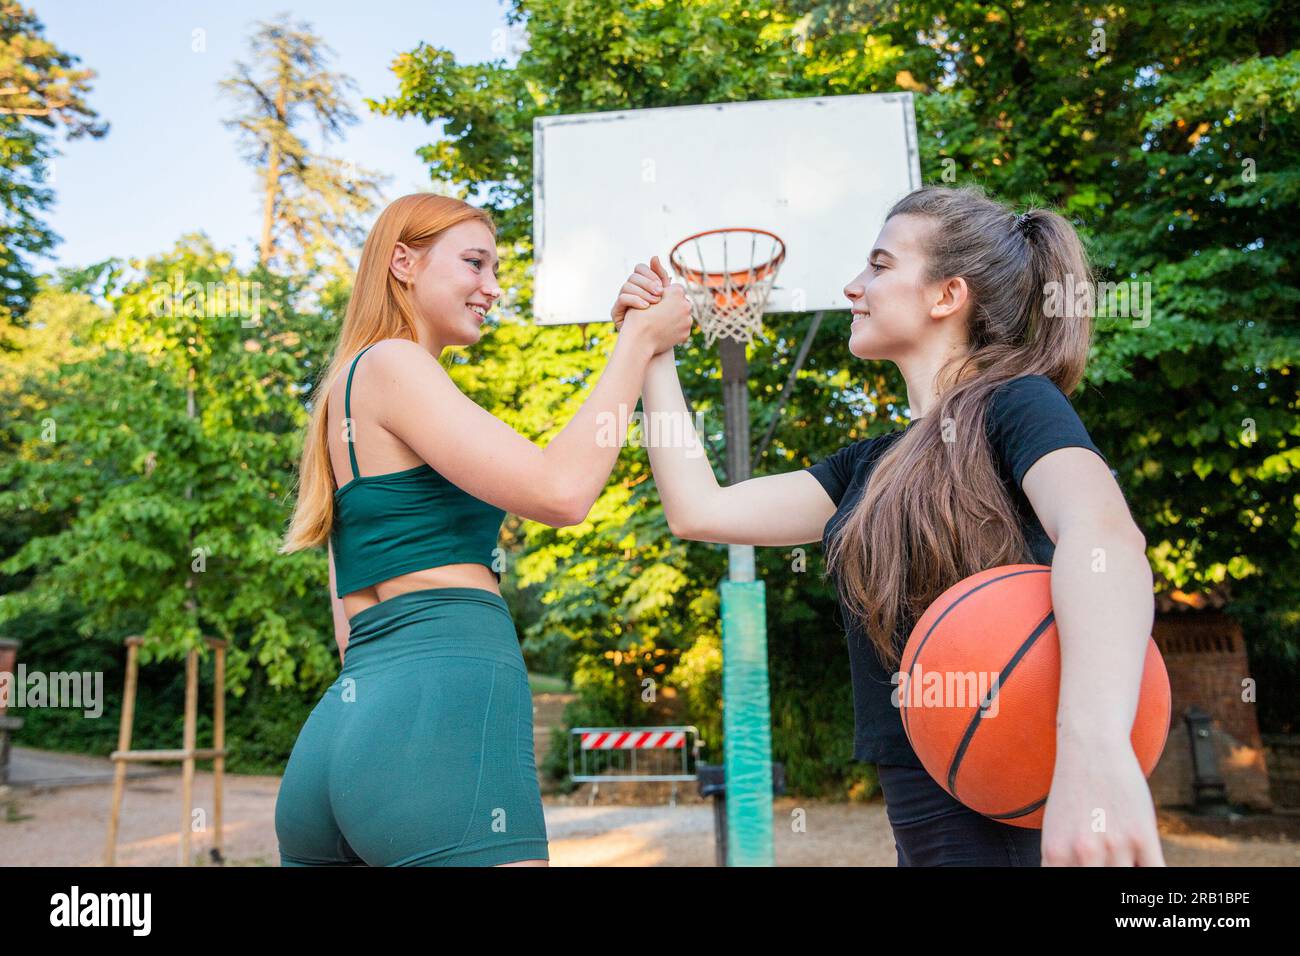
(893, 304)
(454, 279)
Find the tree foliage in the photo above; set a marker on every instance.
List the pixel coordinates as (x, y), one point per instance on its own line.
(314, 205)
(1136, 122)
(156, 500)
(40, 89)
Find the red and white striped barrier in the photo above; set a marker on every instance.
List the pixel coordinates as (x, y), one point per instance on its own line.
(634, 740)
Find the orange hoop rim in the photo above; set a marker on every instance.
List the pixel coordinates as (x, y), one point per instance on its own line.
(736, 278)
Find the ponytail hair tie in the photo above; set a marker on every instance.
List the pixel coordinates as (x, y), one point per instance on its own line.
(1021, 222)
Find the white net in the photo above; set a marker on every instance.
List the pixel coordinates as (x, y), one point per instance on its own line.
(728, 275)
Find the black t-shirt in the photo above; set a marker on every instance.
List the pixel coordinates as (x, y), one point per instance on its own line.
(1027, 418)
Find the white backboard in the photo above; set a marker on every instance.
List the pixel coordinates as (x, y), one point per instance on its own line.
(613, 189)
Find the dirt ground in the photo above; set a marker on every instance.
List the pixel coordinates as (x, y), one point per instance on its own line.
(68, 827)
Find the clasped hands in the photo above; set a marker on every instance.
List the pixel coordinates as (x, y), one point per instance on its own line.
(654, 306)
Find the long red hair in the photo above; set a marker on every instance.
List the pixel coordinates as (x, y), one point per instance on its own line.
(379, 308)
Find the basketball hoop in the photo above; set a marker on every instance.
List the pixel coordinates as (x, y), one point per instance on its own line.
(729, 285)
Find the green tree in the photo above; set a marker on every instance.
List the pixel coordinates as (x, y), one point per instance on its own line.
(319, 202)
(40, 88)
(168, 453)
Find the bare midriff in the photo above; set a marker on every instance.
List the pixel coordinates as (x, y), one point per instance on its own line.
(443, 576)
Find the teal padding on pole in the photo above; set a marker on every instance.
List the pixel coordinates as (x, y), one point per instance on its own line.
(746, 724)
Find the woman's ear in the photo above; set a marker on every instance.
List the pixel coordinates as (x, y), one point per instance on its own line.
(402, 264)
(953, 294)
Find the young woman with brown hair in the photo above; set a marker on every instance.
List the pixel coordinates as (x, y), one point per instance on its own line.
(974, 305)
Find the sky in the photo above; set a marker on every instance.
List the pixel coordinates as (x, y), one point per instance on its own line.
(168, 165)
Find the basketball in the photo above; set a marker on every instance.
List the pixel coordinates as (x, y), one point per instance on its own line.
(979, 680)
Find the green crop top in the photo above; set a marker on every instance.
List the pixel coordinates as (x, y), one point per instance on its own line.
(386, 525)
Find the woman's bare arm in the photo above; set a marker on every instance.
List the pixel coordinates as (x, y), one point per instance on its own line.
(775, 510)
(475, 450)
(1103, 599)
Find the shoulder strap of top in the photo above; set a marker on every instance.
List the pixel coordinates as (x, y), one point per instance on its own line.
(347, 412)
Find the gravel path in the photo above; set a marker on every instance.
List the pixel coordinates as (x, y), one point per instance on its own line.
(68, 827)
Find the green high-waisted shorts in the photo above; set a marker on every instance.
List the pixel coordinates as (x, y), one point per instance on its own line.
(421, 752)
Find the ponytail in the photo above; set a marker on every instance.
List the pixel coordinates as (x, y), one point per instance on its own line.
(936, 509)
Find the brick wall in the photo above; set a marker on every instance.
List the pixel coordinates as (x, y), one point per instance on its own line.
(8, 663)
(8, 657)
(1206, 658)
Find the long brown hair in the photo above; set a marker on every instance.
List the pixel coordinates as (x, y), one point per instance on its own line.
(380, 308)
(935, 510)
